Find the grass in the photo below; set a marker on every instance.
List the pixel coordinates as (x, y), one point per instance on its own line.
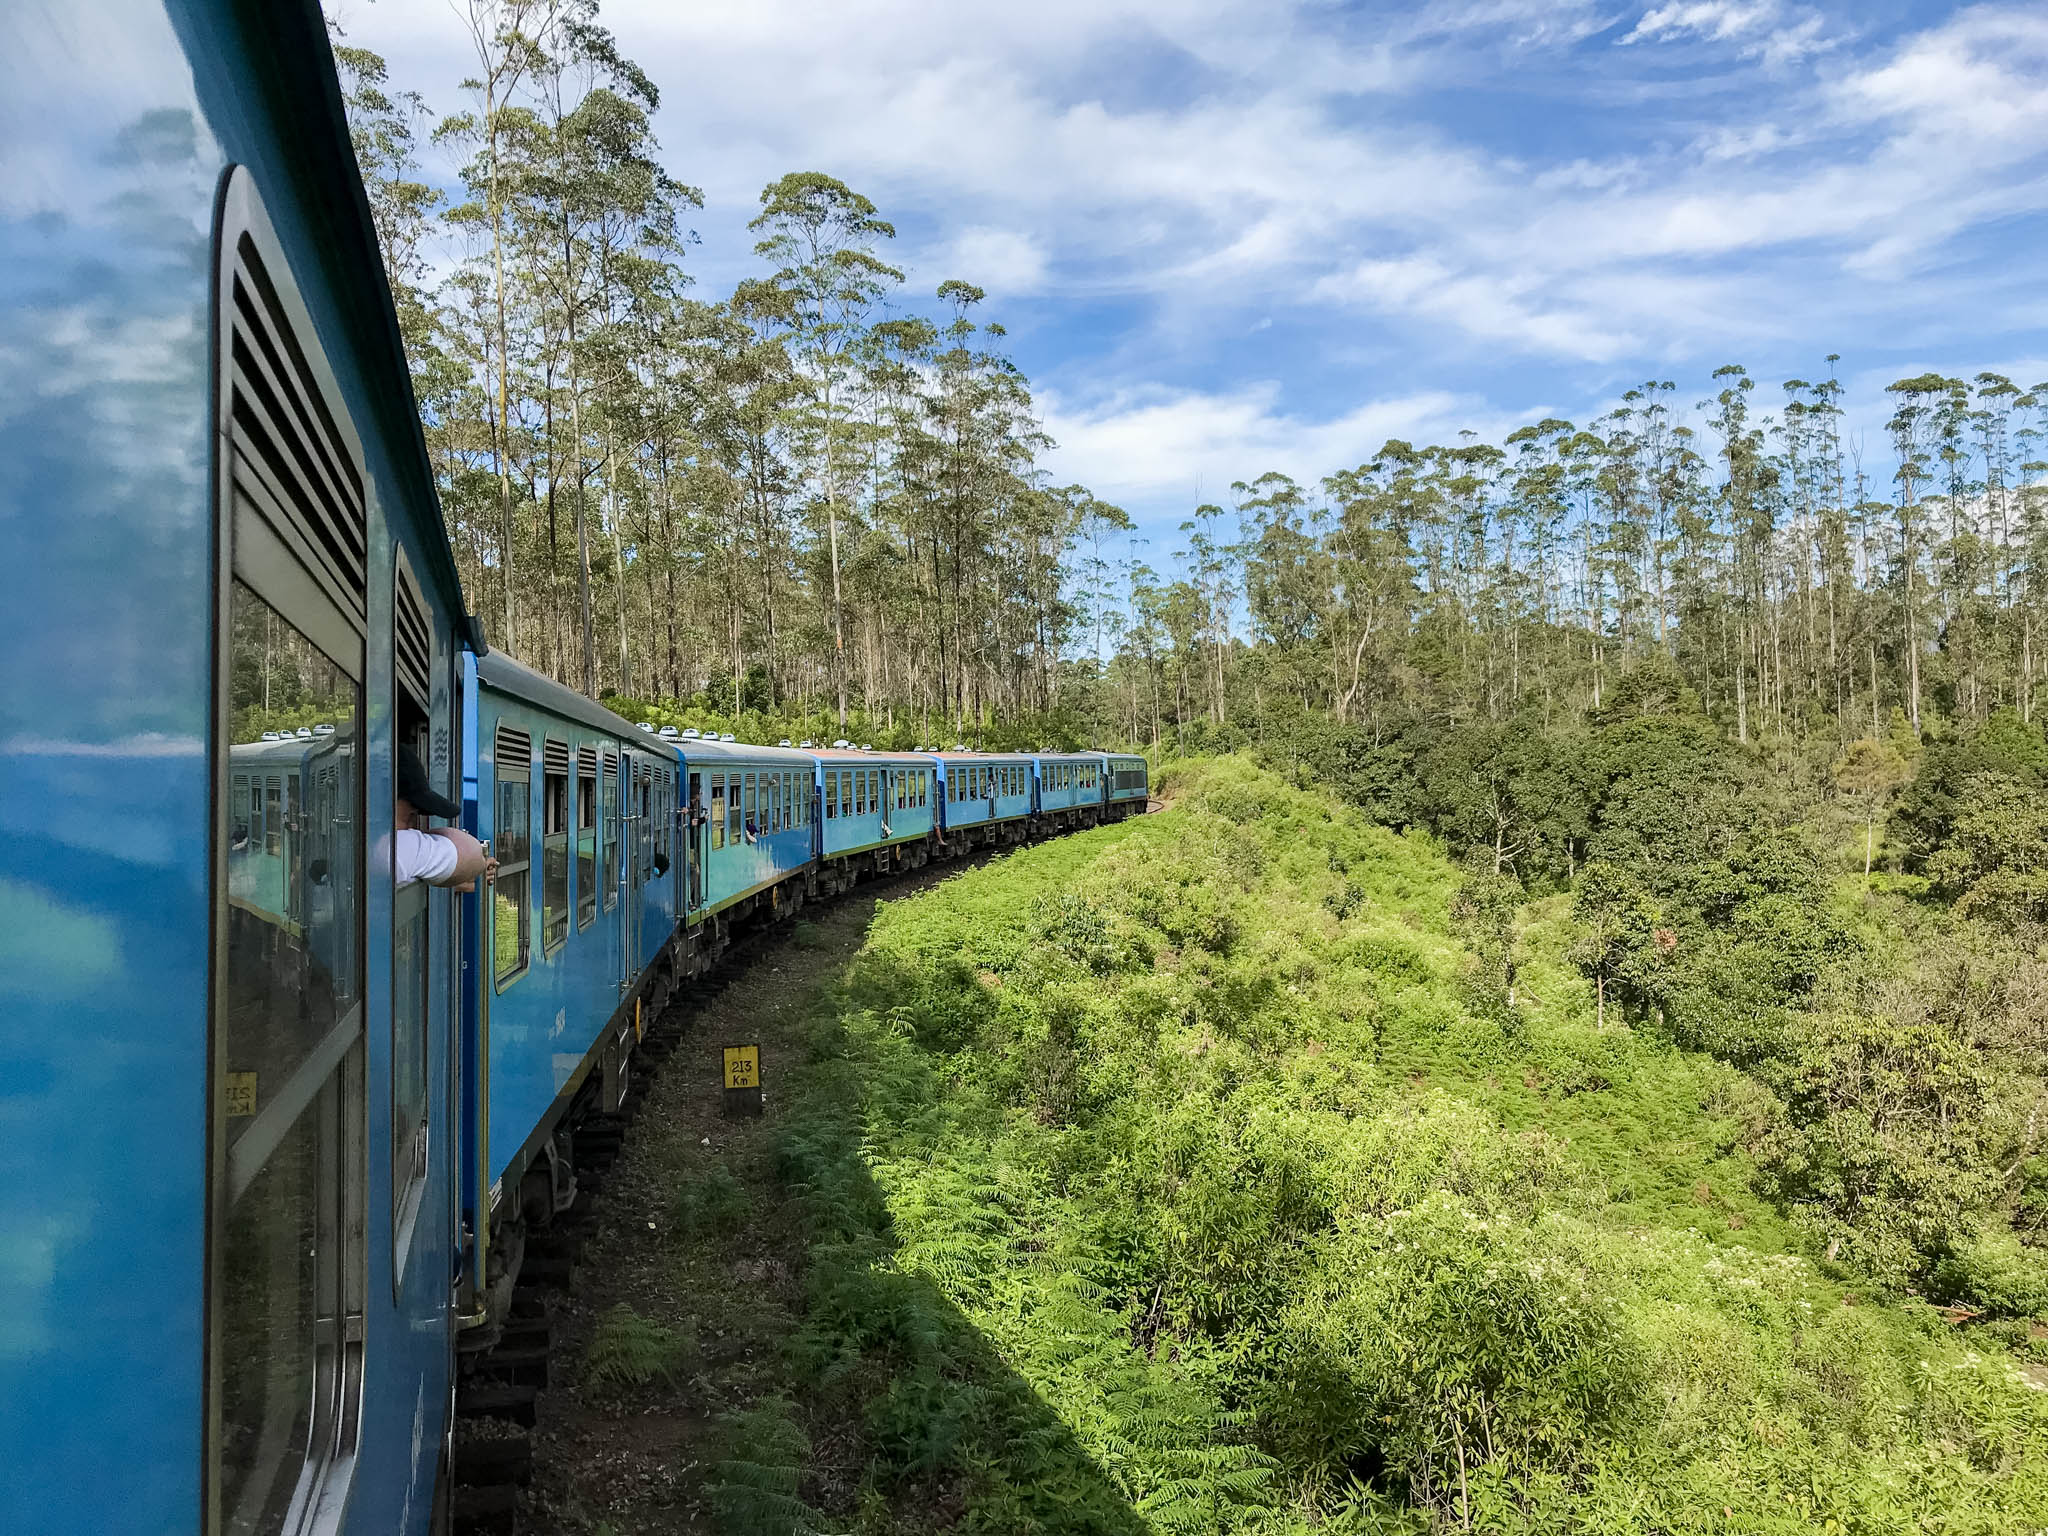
(1185, 1173)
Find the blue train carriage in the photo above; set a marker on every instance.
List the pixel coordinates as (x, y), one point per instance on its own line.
(227, 1300)
(574, 954)
(985, 800)
(749, 832)
(877, 814)
(1126, 785)
(1069, 788)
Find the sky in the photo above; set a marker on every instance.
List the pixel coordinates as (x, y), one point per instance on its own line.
(1232, 238)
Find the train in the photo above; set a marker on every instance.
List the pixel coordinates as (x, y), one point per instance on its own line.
(279, 1127)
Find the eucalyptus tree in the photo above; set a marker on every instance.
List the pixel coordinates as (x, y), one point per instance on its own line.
(823, 236)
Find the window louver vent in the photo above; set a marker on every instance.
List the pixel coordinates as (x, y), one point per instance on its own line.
(611, 765)
(555, 756)
(290, 459)
(514, 750)
(412, 638)
(586, 761)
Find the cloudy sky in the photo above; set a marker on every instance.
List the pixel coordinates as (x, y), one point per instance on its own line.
(1232, 237)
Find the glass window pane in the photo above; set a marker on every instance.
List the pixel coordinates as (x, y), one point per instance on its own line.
(290, 1025)
(554, 890)
(408, 1050)
(272, 1339)
(511, 934)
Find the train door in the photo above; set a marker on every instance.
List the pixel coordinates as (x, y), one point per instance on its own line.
(620, 832)
(694, 846)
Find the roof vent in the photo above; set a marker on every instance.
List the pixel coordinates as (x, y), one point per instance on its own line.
(323, 730)
(646, 727)
(728, 736)
(272, 736)
(805, 742)
(693, 734)
(668, 732)
(783, 743)
(842, 745)
(305, 731)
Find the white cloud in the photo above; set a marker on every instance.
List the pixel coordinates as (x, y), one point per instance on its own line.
(1761, 28)
(1005, 262)
(1175, 447)
(1489, 307)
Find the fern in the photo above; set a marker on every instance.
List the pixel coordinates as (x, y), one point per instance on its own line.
(628, 1350)
(753, 1486)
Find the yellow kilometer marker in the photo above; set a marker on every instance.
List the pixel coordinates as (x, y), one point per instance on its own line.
(743, 1079)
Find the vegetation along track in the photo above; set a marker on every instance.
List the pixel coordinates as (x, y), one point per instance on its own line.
(641, 1315)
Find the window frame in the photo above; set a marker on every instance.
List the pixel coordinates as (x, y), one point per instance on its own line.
(265, 540)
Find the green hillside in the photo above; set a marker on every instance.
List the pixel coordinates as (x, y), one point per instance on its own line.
(1245, 1167)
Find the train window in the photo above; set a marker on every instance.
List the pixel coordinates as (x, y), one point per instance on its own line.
(412, 650)
(586, 836)
(611, 813)
(831, 797)
(512, 846)
(291, 1032)
(778, 784)
(273, 819)
(729, 791)
(554, 845)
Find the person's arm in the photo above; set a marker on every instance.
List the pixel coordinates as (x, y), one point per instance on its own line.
(470, 860)
(444, 856)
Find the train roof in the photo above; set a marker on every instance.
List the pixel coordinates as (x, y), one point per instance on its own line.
(701, 749)
(284, 749)
(499, 671)
(854, 755)
(979, 757)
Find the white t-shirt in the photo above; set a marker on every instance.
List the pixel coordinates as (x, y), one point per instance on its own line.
(422, 856)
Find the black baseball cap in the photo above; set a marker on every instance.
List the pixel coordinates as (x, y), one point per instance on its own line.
(416, 791)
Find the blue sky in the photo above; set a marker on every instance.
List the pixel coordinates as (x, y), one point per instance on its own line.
(1228, 238)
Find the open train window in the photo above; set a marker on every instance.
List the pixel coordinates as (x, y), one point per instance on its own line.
(717, 810)
(512, 846)
(554, 845)
(287, 1127)
(412, 642)
(664, 815)
(611, 814)
(586, 837)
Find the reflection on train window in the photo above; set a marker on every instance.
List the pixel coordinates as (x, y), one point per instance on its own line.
(512, 846)
(717, 813)
(554, 846)
(291, 1054)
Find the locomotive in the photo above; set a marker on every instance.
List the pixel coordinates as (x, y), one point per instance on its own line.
(278, 1127)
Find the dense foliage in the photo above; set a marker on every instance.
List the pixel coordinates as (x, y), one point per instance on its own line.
(1251, 1167)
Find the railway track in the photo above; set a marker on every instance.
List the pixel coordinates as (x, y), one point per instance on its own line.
(499, 1392)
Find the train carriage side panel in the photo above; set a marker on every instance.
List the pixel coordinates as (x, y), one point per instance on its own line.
(211, 1075)
(749, 826)
(558, 934)
(875, 800)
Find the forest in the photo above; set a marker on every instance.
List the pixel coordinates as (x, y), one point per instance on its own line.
(822, 498)
(1572, 1054)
